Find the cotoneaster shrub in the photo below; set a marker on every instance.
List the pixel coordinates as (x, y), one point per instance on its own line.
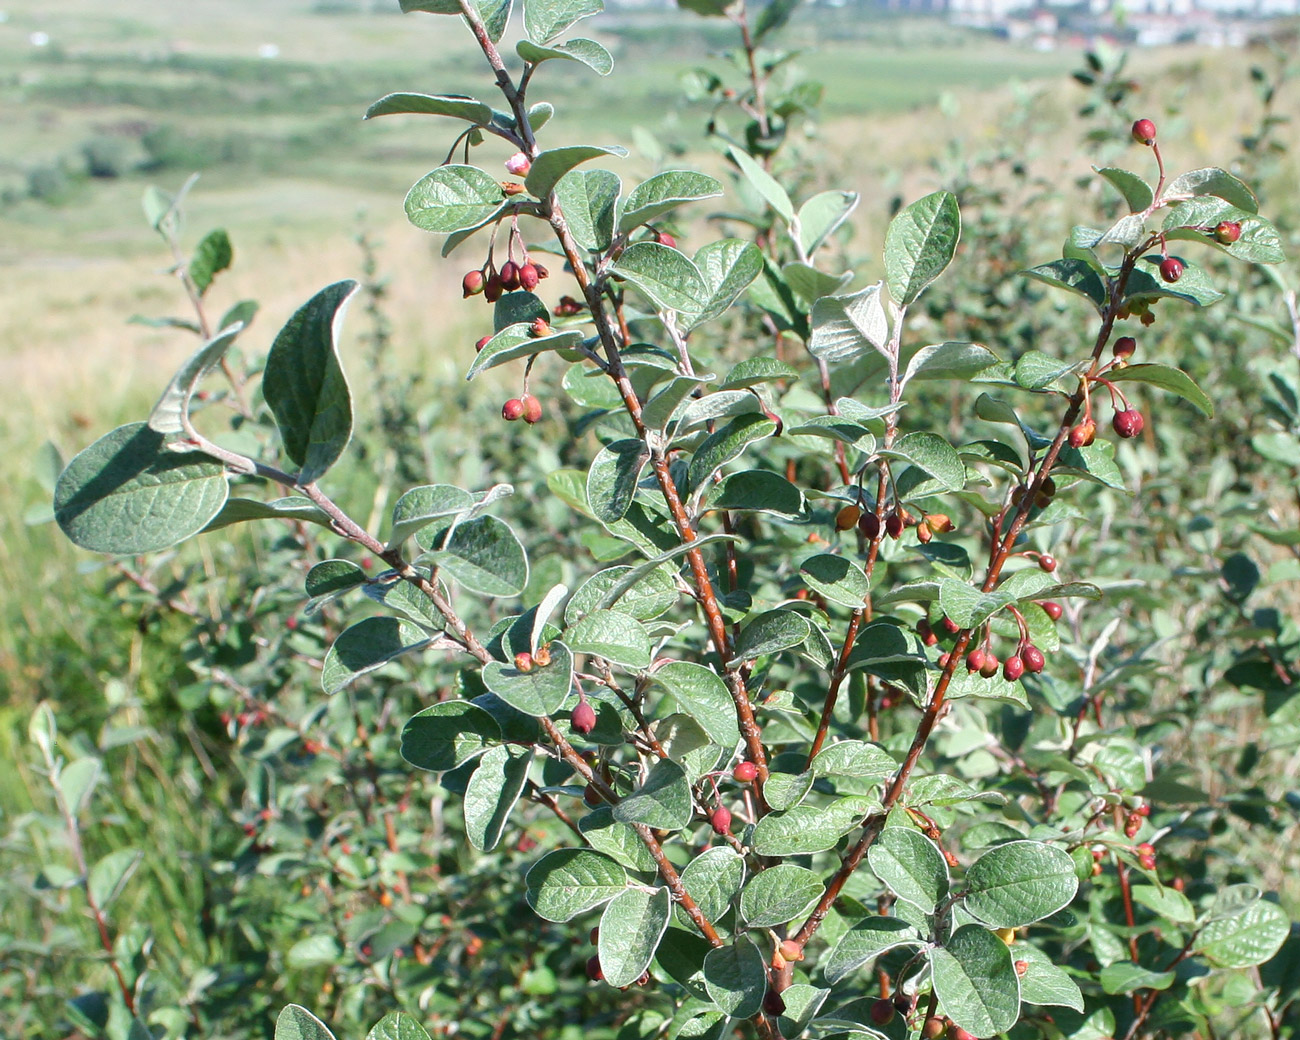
(792, 659)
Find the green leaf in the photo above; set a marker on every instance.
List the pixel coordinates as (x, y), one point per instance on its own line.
(589, 199)
(585, 52)
(630, 930)
(448, 734)
(663, 801)
(613, 635)
(1244, 939)
(496, 16)
(779, 894)
(756, 490)
(713, 878)
(856, 759)
(808, 828)
(458, 106)
(1072, 274)
(934, 455)
(109, 875)
(295, 507)
(802, 1003)
(736, 978)
(773, 16)
(702, 695)
(174, 404)
(1043, 983)
(1137, 193)
(421, 506)
(313, 951)
(127, 493)
(845, 327)
(539, 692)
(397, 1025)
(212, 256)
(612, 479)
(568, 882)
(453, 198)
(664, 192)
(726, 444)
(431, 6)
(619, 841)
(949, 361)
(786, 790)
(911, 865)
(811, 284)
(330, 577)
(546, 19)
(666, 276)
(492, 792)
(837, 579)
(366, 646)
(297, 1023)
(646, 598)
(77, 780)
(550, 166)
(727, 267)
(764, 183)
(1168, 903)
(976, 981)
(516, 341)
(1213, 181)
(1020, 882)
(1036, 370)
(1167, 378)
(821, 215)
(304, 385)
(769, 633)
(1123, 977)
(484, 556)
(865, 941)
(919, 244)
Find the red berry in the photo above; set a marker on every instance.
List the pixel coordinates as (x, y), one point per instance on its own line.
(593, 969)
(512, 409)
(1022, 967)
(1143, 810)
(1124, 346)
(791, 950)
(991, 664)
(1171, 269)
(518, 164)
(882, 1011)
(952, 626)
(720, 820)
(926, 633)
(773, 1003)
(1128, 423)
(524, 661)
(869, 525)
(528, 277)
(483, 342)
(1083, 434)
(934, 1027)
(539, 328)
(847, 517)
(666, 239)
(1227, 231)
(903, 1003)
(744, 772)
(1014, 668)
(893, 525)
(1052, 610)
(1033, 659)
(1132, 824)
(944, 658)
(1145, 849)
(472, 284)
(1048, 562)
(510, 275)
(494, 289)
(958, 1033)
(1144, 132)
(531, 409)
(583, 719)
(594, 936)
(975, 660)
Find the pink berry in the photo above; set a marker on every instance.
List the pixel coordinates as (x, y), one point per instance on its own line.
(991, 664)
(528, 277)
(1033, 659)
(583, 718)
(720, 820)
(666, 239)
(524, 661)
(483, 342)
(512, 409)
(472, 284)
(1144, 132)
(744, 772)
(1052, 610)
(1128, 423)
(531, 409)
(1014, 668)
(1083, 434)
(510, 275)
(519, 164)
(975, 660)
(1227, 231)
